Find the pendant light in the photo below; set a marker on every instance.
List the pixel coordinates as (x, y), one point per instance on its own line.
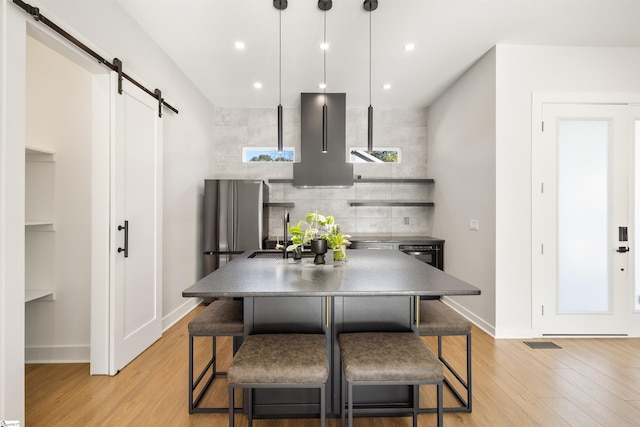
(370, 6)
(325, 5)
(280, 5)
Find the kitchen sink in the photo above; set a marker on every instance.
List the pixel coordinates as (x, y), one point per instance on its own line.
(277, 254)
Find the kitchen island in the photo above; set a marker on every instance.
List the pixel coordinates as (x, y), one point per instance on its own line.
(375, 290)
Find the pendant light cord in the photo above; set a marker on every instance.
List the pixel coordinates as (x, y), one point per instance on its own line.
(369, 58)
(280, 55)
(324, 57)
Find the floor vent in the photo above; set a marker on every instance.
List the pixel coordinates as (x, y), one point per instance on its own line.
(541, 344)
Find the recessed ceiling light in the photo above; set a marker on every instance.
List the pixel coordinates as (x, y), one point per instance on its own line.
(409, 47)
(257, 85)
(324, 45)
(322, 85)
(240, 45)
(386, 86)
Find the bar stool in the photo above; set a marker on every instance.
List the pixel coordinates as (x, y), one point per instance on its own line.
(437, 319)
(388, 358)
(279, 361)
(220, 318)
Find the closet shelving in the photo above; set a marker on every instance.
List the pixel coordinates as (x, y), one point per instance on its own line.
(39, 223)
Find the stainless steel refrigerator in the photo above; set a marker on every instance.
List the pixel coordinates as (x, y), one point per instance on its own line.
(235, 219)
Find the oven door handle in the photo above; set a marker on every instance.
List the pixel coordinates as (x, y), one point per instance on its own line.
(419, 252)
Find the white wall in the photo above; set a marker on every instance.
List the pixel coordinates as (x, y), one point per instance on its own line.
(521, 71)
(393, 127)
(461, 158)
(188, 157)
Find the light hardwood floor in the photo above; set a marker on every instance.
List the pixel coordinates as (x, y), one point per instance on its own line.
(589, 382)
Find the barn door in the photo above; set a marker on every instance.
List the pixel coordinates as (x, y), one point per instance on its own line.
(136, 226)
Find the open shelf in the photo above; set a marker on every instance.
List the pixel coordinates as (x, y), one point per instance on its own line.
(39, 225)
(368, 180)
(388, 203)
(29, 151)
(395, 180)
(281, 204)
(39, 294)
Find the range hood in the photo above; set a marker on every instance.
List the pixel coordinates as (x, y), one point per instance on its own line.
(318, 169)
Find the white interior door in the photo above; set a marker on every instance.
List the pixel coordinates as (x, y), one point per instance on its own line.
(581, 200)
(136, 226)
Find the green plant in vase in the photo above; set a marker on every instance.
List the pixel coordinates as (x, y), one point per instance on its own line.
(317, 226)
(338, 243)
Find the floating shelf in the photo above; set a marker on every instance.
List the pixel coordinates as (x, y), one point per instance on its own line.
(396, 180)
(368, 180)
(281, 204)
(388, 203)
(36, 150)
(39, 294)
(280, 181)
(39, 225)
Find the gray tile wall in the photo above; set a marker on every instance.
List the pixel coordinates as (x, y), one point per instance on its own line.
(404, 128)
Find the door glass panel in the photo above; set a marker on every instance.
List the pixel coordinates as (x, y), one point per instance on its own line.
(583, 216)
(637, 214)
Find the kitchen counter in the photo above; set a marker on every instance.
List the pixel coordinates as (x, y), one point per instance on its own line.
(410, 240)
(366, 273)
(374, 238)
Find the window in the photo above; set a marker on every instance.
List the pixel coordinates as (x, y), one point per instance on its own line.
(267, 155)
(379, 155)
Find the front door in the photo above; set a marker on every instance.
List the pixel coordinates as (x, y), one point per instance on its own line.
(136, 227)
(582, 163)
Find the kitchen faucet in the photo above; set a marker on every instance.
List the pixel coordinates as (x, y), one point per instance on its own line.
(285, 254)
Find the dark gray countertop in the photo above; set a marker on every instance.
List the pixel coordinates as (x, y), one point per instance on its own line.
(415, 240)
(380, 272)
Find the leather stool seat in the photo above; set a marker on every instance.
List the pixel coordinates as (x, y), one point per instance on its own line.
(220, 318)
(377, 358)
(438, 319)
(280, 360)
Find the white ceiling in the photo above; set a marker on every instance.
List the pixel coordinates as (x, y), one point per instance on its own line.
(450, 35)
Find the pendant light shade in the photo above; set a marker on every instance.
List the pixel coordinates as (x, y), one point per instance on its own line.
(325, 124)
(370, 6)
(280, 5)
(280, 142)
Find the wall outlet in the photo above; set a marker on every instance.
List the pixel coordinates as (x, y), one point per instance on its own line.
(474, 225)
(406, 220)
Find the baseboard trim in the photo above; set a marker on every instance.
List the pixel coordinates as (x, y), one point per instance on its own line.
(480, 323)
(57, 354)
(172, 318)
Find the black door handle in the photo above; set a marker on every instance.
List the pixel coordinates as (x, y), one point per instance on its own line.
(622, 249)
(126, 239)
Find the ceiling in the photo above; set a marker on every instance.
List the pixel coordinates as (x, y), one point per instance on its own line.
(450, 35)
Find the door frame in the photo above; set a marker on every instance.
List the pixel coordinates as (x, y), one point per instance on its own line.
(104, 91)
(537, 102)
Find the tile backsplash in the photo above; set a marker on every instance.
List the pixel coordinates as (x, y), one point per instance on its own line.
(404, 128)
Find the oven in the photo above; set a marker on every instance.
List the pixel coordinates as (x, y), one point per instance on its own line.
(426, 249)
(431, 254)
